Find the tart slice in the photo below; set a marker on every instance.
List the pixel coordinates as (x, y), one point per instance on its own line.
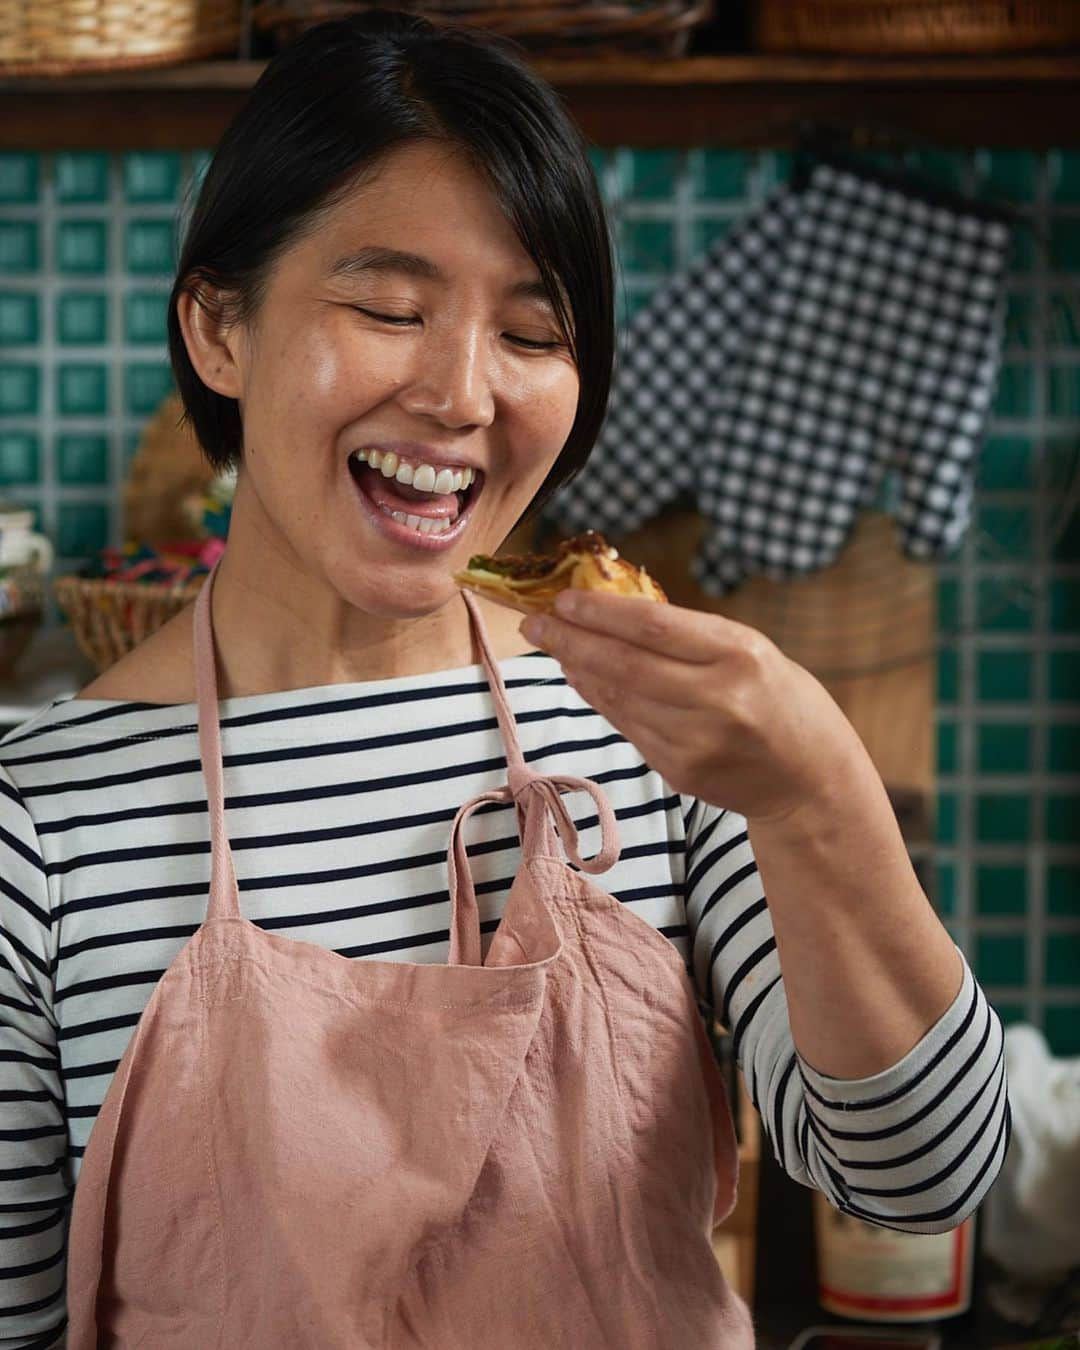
(530, 583)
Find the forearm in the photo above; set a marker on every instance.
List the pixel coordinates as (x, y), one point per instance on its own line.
(867, 966)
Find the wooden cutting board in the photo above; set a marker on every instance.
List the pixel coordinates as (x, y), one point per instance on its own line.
(865, 626)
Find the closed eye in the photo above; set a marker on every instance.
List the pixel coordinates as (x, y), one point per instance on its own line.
(403, 321)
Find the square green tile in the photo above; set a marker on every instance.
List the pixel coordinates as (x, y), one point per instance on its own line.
(1064, 604)
(1001, 958)
(1025, 249)
(1064, 175)
(82, 458)
(1016, 390)
(82, 176)
(707, 232)
(1002, 748)
(82, 247)
(1063, 890)
(1062, 958)
(1008, 175)
(719, 175)
(948, 168)
(648, 245)
(947, 808)
(630, 300)
(948, 603)
(773, 167)
(148, 247)
(1062, 1027)
(1010, 1012)
(82, 390)
(20, 325)
(151, 176)
(145, 317)
(1003, 677)
(1011, 528)
(145, 385)
(1002, 818)
(944, 896)
(948, 674)
(20, 389)
(1063, 818)
(18, 457)
(82, 528)
(1063, 319)
(1064, 246)
(1063, 748)
(1066, 539)
(1005, 604)
(1000, 889)
(1065, 677)
(1021, 322)
(20, 251)
(946, 747)
(82, 318)
(1063, 391)
(648, 175)
(19, 177)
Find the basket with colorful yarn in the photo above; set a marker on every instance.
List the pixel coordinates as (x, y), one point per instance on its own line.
(126, 594)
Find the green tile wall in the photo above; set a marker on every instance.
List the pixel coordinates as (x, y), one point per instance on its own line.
(87, 247)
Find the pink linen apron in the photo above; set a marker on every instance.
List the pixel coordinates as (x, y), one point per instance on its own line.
(302, 1151)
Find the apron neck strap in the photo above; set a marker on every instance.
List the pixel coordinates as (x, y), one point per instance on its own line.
(224, 893)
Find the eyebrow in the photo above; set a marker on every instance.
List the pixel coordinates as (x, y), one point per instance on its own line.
(376, 259)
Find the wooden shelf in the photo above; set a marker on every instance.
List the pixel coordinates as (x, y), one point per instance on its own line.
(743, 100)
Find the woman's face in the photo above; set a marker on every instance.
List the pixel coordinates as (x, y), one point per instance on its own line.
(463, 375)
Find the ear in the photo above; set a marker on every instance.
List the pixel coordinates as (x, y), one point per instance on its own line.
(214, 347)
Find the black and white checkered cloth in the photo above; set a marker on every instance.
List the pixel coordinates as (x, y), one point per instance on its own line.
(846, 328)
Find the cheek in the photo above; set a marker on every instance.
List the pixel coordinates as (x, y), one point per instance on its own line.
(547, 400)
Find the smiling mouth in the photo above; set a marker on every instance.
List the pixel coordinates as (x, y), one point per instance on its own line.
(405, 497)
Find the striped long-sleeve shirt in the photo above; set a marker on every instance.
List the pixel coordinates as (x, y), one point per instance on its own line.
(339, 804)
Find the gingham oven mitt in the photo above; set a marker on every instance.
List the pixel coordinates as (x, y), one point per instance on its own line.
(850, 325)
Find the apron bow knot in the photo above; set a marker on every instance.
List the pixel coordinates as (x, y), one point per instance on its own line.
(549, 788)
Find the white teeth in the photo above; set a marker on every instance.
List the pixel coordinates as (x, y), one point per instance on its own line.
(422, 524)
(425, 477)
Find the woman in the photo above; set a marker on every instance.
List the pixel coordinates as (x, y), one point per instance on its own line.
(352, 1107)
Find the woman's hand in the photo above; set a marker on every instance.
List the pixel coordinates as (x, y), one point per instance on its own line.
(714, 706)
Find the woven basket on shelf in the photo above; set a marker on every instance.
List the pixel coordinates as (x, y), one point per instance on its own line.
(545, 27)
(69, 37)
(888, 27)
(109, 618)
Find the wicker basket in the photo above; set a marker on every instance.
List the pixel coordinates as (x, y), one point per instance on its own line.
(553, 28)
(109, 618)
(66, 37)
(885, 27)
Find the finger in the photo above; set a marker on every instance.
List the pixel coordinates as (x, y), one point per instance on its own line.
(609, 660)
(689, 634)
(656, 733)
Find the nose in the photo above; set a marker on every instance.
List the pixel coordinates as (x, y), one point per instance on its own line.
(452, 382)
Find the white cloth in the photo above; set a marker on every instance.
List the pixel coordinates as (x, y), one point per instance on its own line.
(1032, 1213)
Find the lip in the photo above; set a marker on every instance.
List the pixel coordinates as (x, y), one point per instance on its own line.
(423, 454)
(403, 534)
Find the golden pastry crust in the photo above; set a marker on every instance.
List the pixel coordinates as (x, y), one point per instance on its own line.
(529, 583)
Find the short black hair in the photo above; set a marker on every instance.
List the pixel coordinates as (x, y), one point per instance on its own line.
(321, 117)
